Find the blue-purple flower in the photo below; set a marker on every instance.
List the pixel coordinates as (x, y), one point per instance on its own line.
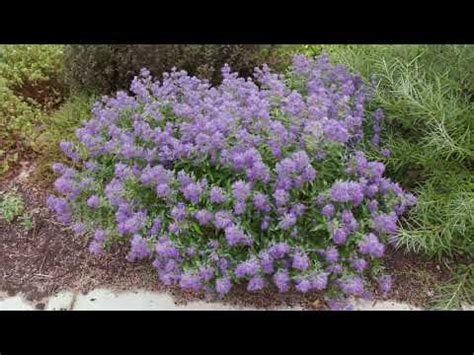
(371, 245)
(93, 201)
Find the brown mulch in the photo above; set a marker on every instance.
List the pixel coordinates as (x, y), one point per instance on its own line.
(50, 258)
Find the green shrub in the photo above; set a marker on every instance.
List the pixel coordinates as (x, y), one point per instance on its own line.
(30, 63)
(31, 84)
(426, 93)
(34, 71)
(17, 118)
(106, 68)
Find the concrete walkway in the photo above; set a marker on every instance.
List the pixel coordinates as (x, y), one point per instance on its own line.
(104, 299)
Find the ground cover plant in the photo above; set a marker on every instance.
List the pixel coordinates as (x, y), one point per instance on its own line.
(258, 181)
(12, 209)
(11, 206)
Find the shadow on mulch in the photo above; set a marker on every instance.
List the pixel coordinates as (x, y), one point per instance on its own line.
(50, 258)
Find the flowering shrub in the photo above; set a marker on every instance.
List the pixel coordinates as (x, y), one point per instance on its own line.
(255, 181)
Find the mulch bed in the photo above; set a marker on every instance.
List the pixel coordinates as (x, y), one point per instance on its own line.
(50, 258)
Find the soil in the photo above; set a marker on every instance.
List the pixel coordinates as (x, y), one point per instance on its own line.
(49, 258)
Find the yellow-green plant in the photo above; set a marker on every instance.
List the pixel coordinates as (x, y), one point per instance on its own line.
(17, 118)
(31, 83)
(20, 64)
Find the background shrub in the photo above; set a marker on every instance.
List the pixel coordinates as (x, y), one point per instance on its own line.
(17, 120)
(104, 69)
(31, 85)
(34, 71)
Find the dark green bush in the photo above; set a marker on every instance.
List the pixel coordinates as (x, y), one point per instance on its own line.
(106, 68)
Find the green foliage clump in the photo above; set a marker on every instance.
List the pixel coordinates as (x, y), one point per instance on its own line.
(35, 72)
(12, 209)
(427, 95)
(104, 69)
(22, 64)
(31, 84)
(17, 118)
(11, 206)
(458, 291)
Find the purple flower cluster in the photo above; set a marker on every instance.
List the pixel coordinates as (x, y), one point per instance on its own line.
(97, 245)
(254, 180)
(347, 191)
(139, 248)
(371, 245)
(61, 207)
(377, 127)
(385, 284)
(353, 286)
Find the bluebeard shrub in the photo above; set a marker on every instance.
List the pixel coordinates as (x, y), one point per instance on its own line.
(253, 181)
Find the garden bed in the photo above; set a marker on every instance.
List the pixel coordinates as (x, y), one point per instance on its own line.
(50, 258)
(419, 135)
